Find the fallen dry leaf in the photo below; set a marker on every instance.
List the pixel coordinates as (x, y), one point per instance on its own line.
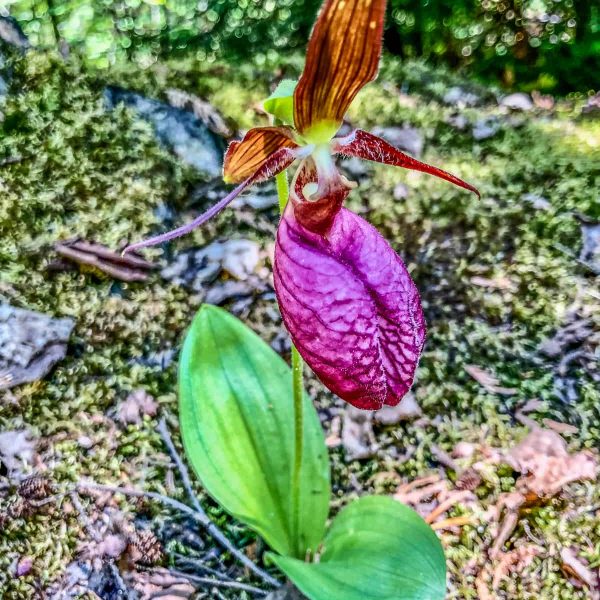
(469, 479)
(450, 501)
(443, 458)
(514, 562)
(488, 381)
(463, 450)
(97, 257)
(560, 427)
(483, 582)
(497, 283)
(135, 406)
(543, 101)
(574, 566)
(423, 494)
(333, 439)
(24, 566)
(546, 465)
(111, 546)
(506, 528)
(159, 583)
(531, 405)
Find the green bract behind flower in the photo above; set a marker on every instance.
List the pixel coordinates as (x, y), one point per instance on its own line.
(280, 103)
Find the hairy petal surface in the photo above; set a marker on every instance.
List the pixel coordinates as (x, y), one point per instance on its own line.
(351, 308)
(243, 158)
(278, 161)
(371, 147)
(342, 56)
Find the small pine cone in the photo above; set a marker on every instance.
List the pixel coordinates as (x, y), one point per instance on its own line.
(35, 487)
(20, 509)
(468, 480)
(146, 548)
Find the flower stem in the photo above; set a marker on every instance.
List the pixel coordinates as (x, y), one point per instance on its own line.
(281, 179)
(298, 392)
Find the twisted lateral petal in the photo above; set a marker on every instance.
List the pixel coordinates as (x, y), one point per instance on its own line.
(245, 157)
(351, 308)
(343, 56)
(370, 147)
(278, 161)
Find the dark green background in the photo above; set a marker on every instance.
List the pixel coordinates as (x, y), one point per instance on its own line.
(550, 45)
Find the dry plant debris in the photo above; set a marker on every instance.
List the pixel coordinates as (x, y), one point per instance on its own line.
(545, 469)
(99, 259)
(137, 405)
(488, 381)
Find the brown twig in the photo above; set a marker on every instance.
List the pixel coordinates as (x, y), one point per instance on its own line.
(453, 522)
(219, 582)
(447, 504)
(181, 467)
(506, 528)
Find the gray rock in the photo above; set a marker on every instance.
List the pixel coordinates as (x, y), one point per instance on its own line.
(258, 199)
(409, 139)
(240, 257)
(12, 34)
(198, 269)
(3, 88)
(485, 128)
(592, 107)
(355, 168)
(590, 232)
(31, 343)
(181, 131)
(459, 122)
(518, 101)
(406, 410)
(457, 96)
(193, 269)
(345, 129)
(538, 202)
(358, 437)
(17, 449)
(400, 192)
(232, 289)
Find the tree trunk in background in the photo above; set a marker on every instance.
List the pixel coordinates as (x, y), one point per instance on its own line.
(583, 16)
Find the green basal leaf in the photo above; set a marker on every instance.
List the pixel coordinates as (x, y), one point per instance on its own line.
(281, 102)
(237, 424)
(376, 549)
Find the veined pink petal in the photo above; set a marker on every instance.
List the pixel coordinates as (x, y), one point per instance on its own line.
(370, 147)
(278, 161)
(351, 308)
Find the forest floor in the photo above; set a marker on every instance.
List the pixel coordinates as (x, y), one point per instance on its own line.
(497, 446)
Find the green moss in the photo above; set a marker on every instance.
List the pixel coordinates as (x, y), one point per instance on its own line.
(101, 175)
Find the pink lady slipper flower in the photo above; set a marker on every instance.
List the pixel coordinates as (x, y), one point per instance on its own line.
(346, 298)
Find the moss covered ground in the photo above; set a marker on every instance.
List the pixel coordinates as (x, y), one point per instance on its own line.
(498, 276)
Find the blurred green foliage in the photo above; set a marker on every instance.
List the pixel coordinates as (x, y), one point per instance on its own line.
(551, 45)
